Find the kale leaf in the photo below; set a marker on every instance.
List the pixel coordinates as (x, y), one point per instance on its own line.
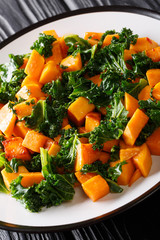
(44, 45)
(50, 192)
(2, 185)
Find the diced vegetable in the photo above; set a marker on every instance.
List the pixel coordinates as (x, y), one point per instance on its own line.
(71, 63)
(153, 76)
(153, 142)
(131, 104)
(136, 175)
(92, 120)
(143, 44)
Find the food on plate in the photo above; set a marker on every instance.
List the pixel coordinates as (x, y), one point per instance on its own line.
(78, 112)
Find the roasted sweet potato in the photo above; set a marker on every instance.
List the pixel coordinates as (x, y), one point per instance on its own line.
(130, 103)
(92, 120)
(153, 142)
(153, 76)
(71, 63)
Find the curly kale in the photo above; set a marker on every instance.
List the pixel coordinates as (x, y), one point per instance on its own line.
(44, 45)
(50, 192)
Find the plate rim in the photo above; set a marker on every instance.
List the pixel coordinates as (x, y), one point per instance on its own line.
(156, 187)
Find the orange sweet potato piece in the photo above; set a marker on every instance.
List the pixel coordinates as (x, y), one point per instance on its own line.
(82, 178)
(64, 47)
(13, 149)
(104, 157)
(127, 171)
(109, 144)
(143, 160)
(77, 116)
(128, 54)
(67, 127)
(134, 126)
(9, 177)
(130, 104)
(96, 188)
(34, 65)
(136, 175)
(20, 130)
(50, 72)
(51, 32)
(25, 108)
(156, 91)
(153, 142)
(54, 149)
(31, 178)
(7, 120)
(92, 120)
(34, 141)
(143, 44)
(145, 93)
(154, 54)
(128, 153)
(56, 53)
(153, 76)
(108, 39)
(103, 110)
(48, 143)
(85, 155)
(30, 91)
(29, 80)
(93, 37)
(72, 63)
(96, 79)
(65, 122)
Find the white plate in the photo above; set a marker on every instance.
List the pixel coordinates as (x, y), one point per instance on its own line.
(81, 210)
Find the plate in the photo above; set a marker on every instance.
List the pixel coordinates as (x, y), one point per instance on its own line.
(81, 210)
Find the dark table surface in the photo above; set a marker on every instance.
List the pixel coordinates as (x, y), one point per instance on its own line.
(142, 220)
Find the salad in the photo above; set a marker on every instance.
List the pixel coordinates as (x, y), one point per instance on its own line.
(78, 112)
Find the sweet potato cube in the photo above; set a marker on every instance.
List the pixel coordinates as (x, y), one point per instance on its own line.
(13, 149)
(108, 39)
(7, 120)
(109, 144)
(79, 109)
(51, 32)
(127, 171)
(64, 47)
(128, 54)
(25, 60)
(92, 120)
(145, 93)
(153, 142)
(65, 122)
(143, 160)
(30, 91)
(25, 108)
(50, 72)
(71, 63)
(130, 103)
(136, 175)
(29, 80)
(93, 35)
(154, 54)
(31, 178)
(134, 127)
(156, 91)
(96, 80)
(9, 177)
(48, 144)
(143, 44)
(104, 157)
(153, 76)
(56, 53)
(54, 149)
(84, 177)
(128, 153)
(20, 130)
(34, 65)
(96, 188)
(34, 141)
(85, 155)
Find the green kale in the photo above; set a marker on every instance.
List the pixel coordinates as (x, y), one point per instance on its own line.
(50, 192)
(112, 126)
(44, 45)
(67, 155)
(110, 174)
(141, 63)
(3, 160)
(1, 140)
(47, 117)
(2, 185)
(34, 165)
(10, 78)
(47, 163)
(152, 110)
(114, 155)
